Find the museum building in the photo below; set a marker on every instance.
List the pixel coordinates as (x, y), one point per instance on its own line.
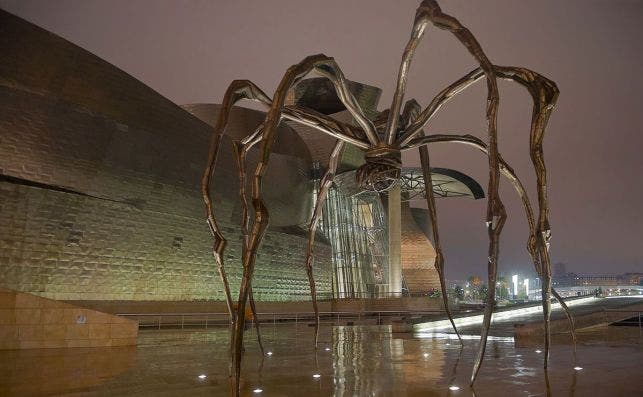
(100, 197)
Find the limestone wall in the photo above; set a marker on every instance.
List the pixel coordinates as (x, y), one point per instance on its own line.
(31, 322)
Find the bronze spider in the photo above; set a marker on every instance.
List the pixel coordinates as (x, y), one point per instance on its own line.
(383, 141)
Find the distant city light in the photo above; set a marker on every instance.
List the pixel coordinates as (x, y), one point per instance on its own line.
(526, 283)
(454, 388)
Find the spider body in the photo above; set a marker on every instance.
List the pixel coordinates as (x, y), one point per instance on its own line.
(382, 168)
(397, 129)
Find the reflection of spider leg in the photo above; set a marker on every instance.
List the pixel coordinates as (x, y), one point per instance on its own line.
(430, 13)
(324, 186)
(328, 68)
(412, 109)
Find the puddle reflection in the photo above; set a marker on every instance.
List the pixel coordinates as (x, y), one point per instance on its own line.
(350, 361)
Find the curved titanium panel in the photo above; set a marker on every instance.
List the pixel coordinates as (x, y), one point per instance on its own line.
(100, 196)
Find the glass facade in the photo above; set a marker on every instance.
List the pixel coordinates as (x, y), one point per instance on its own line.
(356, 228)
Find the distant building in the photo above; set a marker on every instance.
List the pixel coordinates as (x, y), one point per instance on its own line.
(562, 278)
(631, 279)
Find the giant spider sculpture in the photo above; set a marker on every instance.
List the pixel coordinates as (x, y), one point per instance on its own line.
(395, 130)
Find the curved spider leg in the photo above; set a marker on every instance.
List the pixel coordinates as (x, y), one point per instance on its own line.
(240, 149)
(430, 12)
(306, 117)
(237, 90)
(411, 111)
(326, 66)
(324, 187)
(544, 93)
(519, 187)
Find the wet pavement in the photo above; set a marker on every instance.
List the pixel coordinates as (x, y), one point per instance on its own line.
(350, 361)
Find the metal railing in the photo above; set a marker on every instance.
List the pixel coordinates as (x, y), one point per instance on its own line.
(206, 320)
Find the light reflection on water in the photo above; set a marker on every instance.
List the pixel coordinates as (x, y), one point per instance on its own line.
(361, 361)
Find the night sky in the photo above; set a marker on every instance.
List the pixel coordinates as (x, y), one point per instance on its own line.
(190, 50)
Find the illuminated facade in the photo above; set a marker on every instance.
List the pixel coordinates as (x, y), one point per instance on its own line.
(99, 196)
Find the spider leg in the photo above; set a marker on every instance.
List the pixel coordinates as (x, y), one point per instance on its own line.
(430, 12)
(544, 94)
(326, 183)
(240, 149)
(506, 170)
(237, 90)
(327, 67)
(411, 111)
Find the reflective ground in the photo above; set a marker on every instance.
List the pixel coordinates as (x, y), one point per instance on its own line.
(351, 361)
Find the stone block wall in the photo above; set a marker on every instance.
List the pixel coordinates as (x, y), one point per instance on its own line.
(30, 322)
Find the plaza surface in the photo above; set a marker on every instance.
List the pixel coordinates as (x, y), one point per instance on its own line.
(350, 361)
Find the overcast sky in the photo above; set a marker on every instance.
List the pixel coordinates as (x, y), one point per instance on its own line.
(190, 50)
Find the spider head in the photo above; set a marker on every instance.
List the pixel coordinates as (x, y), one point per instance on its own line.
(381, 170)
